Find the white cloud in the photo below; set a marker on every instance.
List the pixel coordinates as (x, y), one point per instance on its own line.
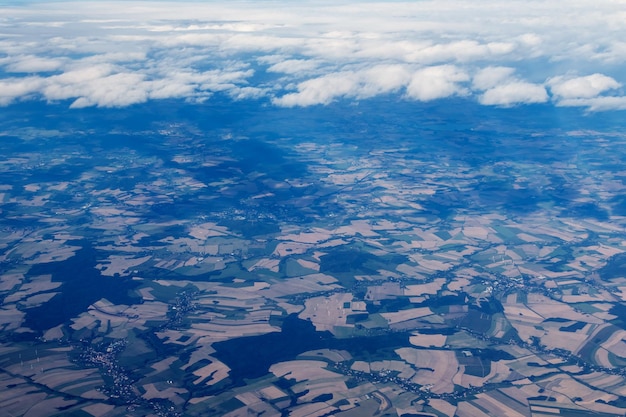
(587, 91)
(491, 76)
(104, 55)
(14, 88)
(501, 87)
(115, 90)
(596, 103)
(529, 39)
(167, 88)
(355, 84)
(415, 51)
(115, 57)
(294, 66)
(101, 85)
(581, 87)
(514, 92)
(437, 82)
(322, 90)
(382, 79)
(77, 76)
(462, 51)
(242, 93)
(106, 85)
(33, 64)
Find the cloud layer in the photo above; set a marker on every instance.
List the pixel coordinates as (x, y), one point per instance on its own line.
(109, 54)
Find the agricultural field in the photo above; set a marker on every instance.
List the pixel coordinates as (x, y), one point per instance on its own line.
(176, 273)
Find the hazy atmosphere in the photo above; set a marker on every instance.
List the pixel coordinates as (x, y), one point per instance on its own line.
(309, 209)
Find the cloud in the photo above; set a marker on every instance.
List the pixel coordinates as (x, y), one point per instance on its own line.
(490, 77)
(167, 88)
(529, 39)
(102, 85)
(587, 91)
(460, 51)
(12, 89)
(383, 79)
(33, 64)
(355, 84)
(596, 103)
(306, 53)
(514, 92)
(425, 84)
(437, 82)
(322, 90)
(564, 88)
(294, 66)
(501, 87)
(108, 85)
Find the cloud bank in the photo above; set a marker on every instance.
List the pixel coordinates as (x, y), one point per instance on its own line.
(114, 54)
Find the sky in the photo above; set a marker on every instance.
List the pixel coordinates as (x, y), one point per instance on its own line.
(305, 53)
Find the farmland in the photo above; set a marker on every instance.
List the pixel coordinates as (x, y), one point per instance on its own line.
(179, 277)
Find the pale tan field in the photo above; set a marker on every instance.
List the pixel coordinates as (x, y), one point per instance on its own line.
(327, 312)
(467, 409)
(616, 344)
(570, 388)
(317, 235)
(615, 384)
(271, 393)
(429, 265)
(305, 284)
(408, 314)
(284, 249)
(383, 291)
(443, 406)
(428, 288)
(496, 407)
(34, 286)
(458, 284)
(477, 232)
(266, 263)
(98, 410)
(309, 265)
(547, 307)
(428, 340)
(312, 410)
(411, 271)
(312, 389)
(435, 368)
(304, 370)
(229, 329)
(357, 227)
(43, 251)
(120, 264)
(161, 366)
(527, 366)
(170, 393)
